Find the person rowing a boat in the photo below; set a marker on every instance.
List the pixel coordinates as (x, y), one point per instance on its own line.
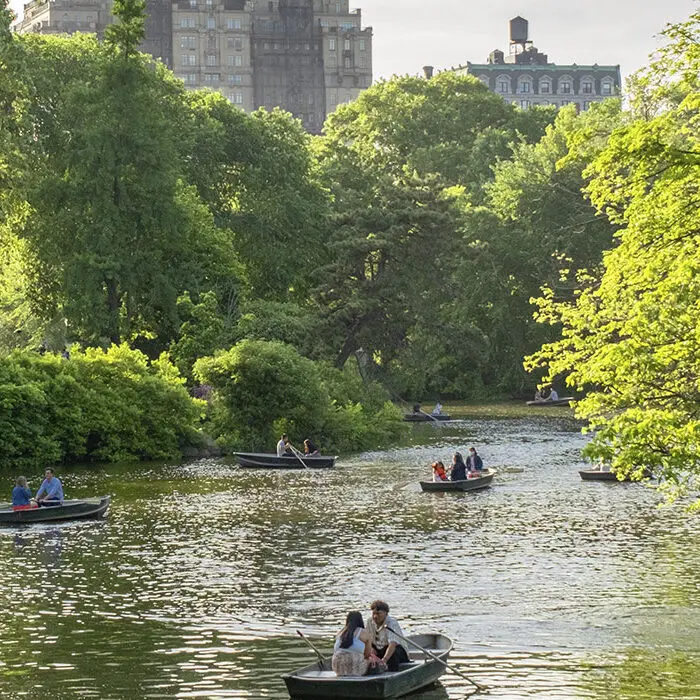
(50, 492)
(387, 644)
(284, 447)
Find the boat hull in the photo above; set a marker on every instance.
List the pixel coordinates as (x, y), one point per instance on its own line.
(550, 404)
(425, 418)
(263, 460)
(70, 510)
(464, 485)
(597, 475)
(315, 682)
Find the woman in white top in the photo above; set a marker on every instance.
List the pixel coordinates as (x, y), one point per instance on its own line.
(353, 647)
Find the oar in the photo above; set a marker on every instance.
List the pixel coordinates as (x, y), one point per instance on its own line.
(297, 454)
(321, 657)
(431, 416)
(436, 658)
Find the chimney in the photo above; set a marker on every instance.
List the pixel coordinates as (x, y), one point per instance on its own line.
(428, 72)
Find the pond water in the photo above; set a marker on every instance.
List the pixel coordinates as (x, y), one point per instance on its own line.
(195, 584)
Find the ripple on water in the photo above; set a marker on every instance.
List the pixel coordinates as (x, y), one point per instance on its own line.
(195, 584)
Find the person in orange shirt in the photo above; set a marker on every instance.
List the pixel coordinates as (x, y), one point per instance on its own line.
(439, 473)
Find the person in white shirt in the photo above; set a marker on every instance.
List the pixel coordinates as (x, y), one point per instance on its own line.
(283, 446)
(437, 411)
(353, 647)
(386, 634)
(553, 396)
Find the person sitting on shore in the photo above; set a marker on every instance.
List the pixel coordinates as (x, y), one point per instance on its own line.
(353, 647)
(439, 473)
(386, 636)
(284, 447)
(474, 463)
(459, 468)
(50, 492)
(310, 450)
(21, 495)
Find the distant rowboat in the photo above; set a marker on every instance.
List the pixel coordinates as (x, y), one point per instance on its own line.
(600, 475)
(264, 460)
(544, 403)
(479, 482)
(425, 417)
(68, 510)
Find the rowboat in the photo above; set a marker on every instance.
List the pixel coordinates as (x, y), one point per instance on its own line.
(319, 681)
(479, 482)
(264, 460)
(544, 403)
(68, 510)
(600, 475)
(425, 417)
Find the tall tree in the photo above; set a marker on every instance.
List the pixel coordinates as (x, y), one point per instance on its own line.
(630, 340)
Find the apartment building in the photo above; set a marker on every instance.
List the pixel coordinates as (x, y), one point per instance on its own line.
(526, 77)
(305, 56)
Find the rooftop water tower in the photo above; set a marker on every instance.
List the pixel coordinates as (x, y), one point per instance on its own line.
(519, 40)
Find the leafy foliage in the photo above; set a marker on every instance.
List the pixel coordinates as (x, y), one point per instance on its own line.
(630, 339)
(265, 388)
(103, 405)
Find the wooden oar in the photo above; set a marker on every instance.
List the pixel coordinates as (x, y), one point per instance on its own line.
(297, 454)
(321, 657)
(436, 658)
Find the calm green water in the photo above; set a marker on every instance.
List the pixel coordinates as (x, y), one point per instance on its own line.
(195, 584)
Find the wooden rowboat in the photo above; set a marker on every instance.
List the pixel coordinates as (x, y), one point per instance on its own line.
(480, 482)
(264, 460)
(319, 681)
(425, 417)
(68, 510)
(544, 403)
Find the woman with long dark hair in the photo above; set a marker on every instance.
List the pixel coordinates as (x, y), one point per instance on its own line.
(353, 647)
(459, 468)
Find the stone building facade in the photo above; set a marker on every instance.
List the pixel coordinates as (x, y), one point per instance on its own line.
(526, 78)
(305, 56)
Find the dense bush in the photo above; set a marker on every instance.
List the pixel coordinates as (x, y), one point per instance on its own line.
(263, 389)
(103, 405)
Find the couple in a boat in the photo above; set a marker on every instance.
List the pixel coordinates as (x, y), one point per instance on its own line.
(366, 650)
(460, 470)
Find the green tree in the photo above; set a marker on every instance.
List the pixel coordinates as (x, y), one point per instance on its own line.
(630, 339)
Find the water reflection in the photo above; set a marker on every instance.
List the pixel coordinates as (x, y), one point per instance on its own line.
(195, 584)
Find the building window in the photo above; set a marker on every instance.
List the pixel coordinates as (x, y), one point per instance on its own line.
(189, 59)
(586, 105)
(234, 43)
(587, 87)
(363, 45)
(236, 98)
(238, 61)
(193, 3)
(233, 24)
(211, 60)
(524, 104)
(545, 87)
(190, 78)
(210, 3)
(338, 8)
(331, 44)
(188, 42)
(347, 44)
(187, 23)
(347, 62)
(363, 63)
(332, 62)
(606, 87)
(524, 87)
(211, 78)
(503, 85)
(565, 87)
(334, 98)
(234, 78)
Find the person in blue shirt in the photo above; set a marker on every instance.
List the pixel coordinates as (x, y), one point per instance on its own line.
(50, 492)
(21, 495)
(474, 462)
